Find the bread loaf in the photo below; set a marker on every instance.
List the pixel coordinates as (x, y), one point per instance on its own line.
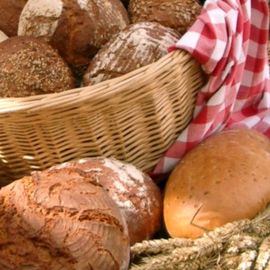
(133, 191)
(29, 66)
(225, 178)
(3, 36)
(10, 11)
(76, 28)
(136, 46)
(61, 220)
(176, 14)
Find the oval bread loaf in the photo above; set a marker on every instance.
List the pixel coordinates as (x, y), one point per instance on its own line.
(177, 14)
(29, 66)
(136, 46)
(61, 220)
(76, 28)
(223, 179)
(137, 196)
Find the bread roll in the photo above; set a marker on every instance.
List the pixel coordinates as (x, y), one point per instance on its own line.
(133, 191)
(223, 179)
(29, 67)
(136, 46)
(3, 36)
(76, 28)
(61, 220)
(10, 11)
(176, 14)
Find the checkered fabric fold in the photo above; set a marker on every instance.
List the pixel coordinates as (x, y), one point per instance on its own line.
(229, 39)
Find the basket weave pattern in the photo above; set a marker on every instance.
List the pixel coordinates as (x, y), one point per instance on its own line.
(134, 118)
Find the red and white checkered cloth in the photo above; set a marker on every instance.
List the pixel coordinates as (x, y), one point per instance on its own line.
(229, 39)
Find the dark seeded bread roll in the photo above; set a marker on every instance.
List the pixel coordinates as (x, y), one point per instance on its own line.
(176, 14)
(137, 196)
(136, 46)
(223, 179)
(10, 11)
(76, 28)
(61, 220)
(29, 67)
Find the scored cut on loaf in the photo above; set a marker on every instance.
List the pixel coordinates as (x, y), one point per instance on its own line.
(134, 192)
(223, 179)
(76, 28)
(10, 11)
(179, 15)
(61, 220)
(29, 66)
(138, 45)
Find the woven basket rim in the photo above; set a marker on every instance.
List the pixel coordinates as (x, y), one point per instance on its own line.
(95, 93)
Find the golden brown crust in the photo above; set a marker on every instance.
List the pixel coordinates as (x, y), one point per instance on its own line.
(62, 220)
(133, 191)
(176, 14)
(223, 179)
(29, 67)
(10, 11)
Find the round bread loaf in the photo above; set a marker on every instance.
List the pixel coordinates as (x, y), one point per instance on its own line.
(76, 28)
(223, 179)
(29, 66)
(134, 192)
(10, 11)
(136, 46)
(61, 220)
(3, 36)
(176, 14)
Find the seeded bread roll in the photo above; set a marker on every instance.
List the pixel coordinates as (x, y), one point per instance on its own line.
(76, 28)
(176, 14)
(10, 11)
(61, 220)
(225, 178)
(3, 36)
(137, 196)
(136, 46)
(29, 67)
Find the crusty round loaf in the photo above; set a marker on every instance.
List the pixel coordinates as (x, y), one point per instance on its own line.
(223, 179)
(10, 11)
(134, 192)
(177, 14)
(138, 45)
(76, 28)
(29, 66)
(61, 220)
(3, 36)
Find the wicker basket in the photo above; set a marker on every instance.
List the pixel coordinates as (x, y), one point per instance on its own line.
(134, 118)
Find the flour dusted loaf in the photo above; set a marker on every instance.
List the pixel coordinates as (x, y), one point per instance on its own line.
(134, 192)
(225, 178)
(61, 220)
(76, 28)
(3, 36)
(10, 11)
(136, 46)
(29, 67)
(177, 14)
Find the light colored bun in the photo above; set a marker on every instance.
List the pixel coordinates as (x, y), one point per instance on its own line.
(29, 67)
(136, 46)
(61, 220)
(225, 178)
(10, 11)
(3, 36)
(76, 28)
(176, 14)
(137, 196)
